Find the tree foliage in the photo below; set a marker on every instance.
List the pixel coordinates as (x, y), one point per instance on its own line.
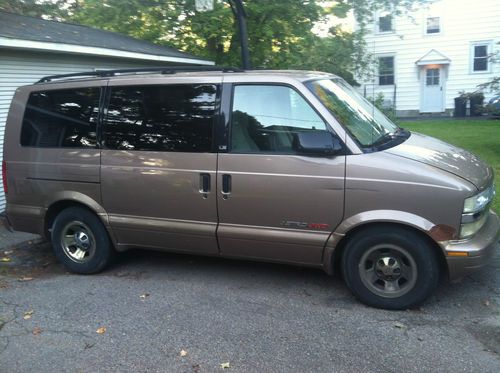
(494, 84)
(277, 29)
(280, 31)
(34, 8)
(363, 9)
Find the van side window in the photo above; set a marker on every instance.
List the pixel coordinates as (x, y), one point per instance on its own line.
(170, 118)
(265, 119)
(61, 119)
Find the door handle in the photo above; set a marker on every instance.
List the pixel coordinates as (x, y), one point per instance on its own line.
(226, 186)
(205, 184)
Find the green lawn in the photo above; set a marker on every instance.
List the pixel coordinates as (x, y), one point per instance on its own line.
(481, 137)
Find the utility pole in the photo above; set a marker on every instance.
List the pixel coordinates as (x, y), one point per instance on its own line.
(241, 16)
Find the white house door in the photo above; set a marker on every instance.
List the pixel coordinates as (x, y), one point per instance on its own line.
(432, 90)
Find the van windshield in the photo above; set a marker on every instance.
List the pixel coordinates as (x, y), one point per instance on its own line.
(364, 121)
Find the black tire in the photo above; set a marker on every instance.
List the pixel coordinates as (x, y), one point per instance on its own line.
(390, 267)
(76, 223)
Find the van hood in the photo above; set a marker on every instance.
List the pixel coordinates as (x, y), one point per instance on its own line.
(447, 157)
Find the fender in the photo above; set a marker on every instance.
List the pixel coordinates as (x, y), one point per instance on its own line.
(82, 199)
(436, 232)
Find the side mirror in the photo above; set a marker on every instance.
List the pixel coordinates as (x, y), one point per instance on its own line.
(317, 143)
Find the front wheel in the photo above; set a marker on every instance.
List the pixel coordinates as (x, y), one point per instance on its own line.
(390, 267)
(80, 241)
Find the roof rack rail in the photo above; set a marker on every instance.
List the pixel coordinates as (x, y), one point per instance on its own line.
(160, 70)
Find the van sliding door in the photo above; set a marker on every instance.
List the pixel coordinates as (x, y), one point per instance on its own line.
(158, 164)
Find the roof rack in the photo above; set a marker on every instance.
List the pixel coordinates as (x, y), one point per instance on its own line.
(159, 70)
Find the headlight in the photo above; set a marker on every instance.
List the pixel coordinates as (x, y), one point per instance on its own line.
(475, 212)
(479, 201)
(469, 229)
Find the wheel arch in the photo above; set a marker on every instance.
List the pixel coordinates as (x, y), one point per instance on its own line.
(72, 199)
(337, 241)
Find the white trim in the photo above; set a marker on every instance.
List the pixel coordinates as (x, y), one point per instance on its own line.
(96, 51)
(437, 59)
(433, 62)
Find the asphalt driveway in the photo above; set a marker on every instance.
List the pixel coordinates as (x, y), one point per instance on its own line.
(148, 307)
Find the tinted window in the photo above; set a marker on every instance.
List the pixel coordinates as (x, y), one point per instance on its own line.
(265, 119)
(161, 118)
(61, 119)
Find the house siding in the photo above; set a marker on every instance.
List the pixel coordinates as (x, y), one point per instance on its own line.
(462, 23)
(18, 68)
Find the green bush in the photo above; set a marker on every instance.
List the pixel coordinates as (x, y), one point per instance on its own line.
(388, 111)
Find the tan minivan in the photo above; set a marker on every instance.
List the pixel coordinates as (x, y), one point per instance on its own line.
(283, 166)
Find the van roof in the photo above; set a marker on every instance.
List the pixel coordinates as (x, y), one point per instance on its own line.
(189, 71)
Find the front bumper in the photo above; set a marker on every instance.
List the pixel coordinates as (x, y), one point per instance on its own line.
(479, 248)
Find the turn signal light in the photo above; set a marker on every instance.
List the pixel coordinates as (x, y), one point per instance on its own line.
(457, 253)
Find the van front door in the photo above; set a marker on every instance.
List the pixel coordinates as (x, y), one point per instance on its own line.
(273, 203)
(157, 165)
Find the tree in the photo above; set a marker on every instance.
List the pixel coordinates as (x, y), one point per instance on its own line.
(34, 8)
(280, 31)
(151, 20)
(364, 9)
(275, 27)
(334, 54)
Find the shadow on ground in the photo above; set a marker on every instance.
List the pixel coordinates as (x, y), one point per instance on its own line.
(259, 315)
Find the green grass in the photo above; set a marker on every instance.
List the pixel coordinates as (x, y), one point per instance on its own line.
(481, 137)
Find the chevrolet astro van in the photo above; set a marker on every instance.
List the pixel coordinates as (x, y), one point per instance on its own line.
(282, 166)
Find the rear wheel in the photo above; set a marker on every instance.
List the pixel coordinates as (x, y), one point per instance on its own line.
(80, 241)
(390, 267)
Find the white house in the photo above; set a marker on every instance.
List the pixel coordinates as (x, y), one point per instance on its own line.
(31, 48)
(425, 58)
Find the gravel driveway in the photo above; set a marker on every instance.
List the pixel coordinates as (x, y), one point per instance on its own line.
(257, 317)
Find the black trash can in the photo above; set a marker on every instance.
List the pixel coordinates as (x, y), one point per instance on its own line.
(476, 105)
(460, 107)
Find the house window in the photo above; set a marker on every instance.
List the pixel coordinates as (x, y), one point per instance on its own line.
(385, 23)
(433, 25)
(386, 70)
(480, 57)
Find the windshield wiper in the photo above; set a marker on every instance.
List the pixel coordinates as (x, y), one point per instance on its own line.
(389, 136)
